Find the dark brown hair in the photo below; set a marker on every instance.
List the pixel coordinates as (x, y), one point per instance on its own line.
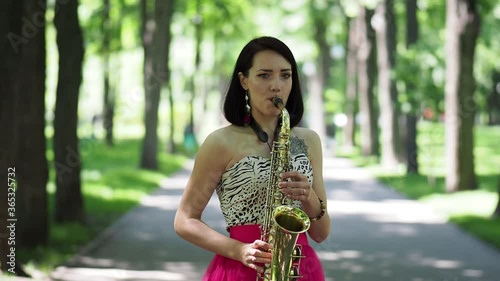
(234, 103)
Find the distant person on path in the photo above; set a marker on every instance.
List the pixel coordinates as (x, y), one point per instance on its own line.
(235, 162)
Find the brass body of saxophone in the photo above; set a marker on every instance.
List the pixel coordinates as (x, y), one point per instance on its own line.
(282, 222)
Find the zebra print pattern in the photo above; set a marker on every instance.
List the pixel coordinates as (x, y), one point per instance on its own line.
(241, 189)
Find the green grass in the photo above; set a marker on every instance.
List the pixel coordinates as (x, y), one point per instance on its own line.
(472, 209)
(487, 229)
(112, 184)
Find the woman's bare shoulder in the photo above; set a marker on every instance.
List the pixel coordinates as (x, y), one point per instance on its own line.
(222, 134)
(306, 134)
(220, 147)
(305, 141)
(222, 138)
(213, 151)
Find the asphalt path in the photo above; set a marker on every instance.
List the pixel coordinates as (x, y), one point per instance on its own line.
(376, 234)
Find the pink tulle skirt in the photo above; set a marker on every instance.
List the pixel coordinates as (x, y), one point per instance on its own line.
(225, 269)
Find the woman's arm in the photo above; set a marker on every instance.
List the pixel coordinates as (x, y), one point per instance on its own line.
(320, 229)
(209, 165)
(310, 195)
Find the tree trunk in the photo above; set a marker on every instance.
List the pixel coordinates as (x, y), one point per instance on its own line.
(67, 160)
(171, 129)
(385, 27)
(321, 78)
(410, 140)
(31, 167)
(171, 143)
(409, 131)
(496, 213)
(412, 25)
(109, 97)
(190, 142)
(156, 41)
(366, 77)
(152, 94)
(493, 100)
(351, 85)
(462, 29)
(10, 27)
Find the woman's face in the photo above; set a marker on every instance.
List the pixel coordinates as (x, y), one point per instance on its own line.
(269, 77)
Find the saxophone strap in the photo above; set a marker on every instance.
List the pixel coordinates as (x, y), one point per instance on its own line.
(261, 134)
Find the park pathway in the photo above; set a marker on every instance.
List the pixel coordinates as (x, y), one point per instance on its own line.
(376, 235)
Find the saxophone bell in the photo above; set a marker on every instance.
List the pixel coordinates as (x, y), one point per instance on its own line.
(289, 223)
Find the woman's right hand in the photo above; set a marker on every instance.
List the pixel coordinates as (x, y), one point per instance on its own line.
(256, 254)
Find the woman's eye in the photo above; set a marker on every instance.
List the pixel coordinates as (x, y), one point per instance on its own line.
(264, 75)
(286, 75)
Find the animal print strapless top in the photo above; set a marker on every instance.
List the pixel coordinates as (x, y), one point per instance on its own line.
(242, 187)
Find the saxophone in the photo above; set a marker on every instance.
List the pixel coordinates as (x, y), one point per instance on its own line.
(282, 222)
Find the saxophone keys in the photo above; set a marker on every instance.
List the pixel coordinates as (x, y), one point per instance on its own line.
(294, 273)
(297, 254)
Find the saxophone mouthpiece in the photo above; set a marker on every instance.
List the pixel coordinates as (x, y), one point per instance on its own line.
(278, 102)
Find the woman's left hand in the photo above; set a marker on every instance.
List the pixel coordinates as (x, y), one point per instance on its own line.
(298, 188)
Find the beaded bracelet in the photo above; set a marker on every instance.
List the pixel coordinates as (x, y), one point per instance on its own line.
(323, 209)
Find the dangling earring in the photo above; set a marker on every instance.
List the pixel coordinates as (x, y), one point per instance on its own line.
(247, 117)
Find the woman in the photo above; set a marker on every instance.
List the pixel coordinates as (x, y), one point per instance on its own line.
(234, 161)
